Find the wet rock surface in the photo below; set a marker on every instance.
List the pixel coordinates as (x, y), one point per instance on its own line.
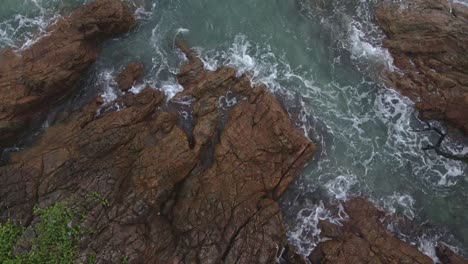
(363, 238)
(195, 180)
(447, 256)
(130, 76)
(33, 80)
(429, 42)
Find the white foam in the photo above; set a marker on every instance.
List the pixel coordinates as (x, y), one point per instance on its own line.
(340, 186)
(259, 62)
(450, 177)
(161, 64)
(226, 101)
(397, 201)
(185, 100)
(406, 144)
(108, 85)
(463, 2)
(427, 245)
(360, 48)
(180, 31)
(239, 56)
(171, 89)
(210, 63)
(306, 234)
(136, 89)
(22, 31)
(142, 14)
(457, 149)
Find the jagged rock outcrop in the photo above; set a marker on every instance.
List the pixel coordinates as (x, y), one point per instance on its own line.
(429, 42)
(363, 239)
(193, 181)
(130, 76)
(35, 79)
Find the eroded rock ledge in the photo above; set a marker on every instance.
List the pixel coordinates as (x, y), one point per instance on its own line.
(429, 41)
(195, 188)
(35, 79)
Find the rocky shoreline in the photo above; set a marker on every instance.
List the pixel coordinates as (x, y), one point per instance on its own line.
(429, 43)
(193, 179)
(37, 79)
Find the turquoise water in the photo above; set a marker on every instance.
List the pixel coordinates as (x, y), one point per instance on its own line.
(323, 58)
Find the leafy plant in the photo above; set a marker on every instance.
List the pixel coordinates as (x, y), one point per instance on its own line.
(56, 235)
(9, 234)
(55, 240)
(96, 197)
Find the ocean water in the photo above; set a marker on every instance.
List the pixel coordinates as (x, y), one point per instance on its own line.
(323, 59)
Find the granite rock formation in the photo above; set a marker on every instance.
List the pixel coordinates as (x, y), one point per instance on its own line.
(195, 179)
(429, 42)
(196, 187)
(363, 238)
(130, 76)
(33, 80)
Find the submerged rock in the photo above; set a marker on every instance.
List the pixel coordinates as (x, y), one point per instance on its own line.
(201, 187)
(35, 79)
(429, 42)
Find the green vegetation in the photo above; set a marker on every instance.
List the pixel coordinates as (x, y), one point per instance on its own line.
(96, 197)
(9, 233)
(55, 240)
(55, 236)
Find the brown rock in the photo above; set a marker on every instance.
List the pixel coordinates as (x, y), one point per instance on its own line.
(130, 76)
(430, 47)
(447, 256)
(363, 239)
(199, 189)
(37, 78)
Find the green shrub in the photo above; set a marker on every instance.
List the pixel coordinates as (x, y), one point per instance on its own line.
(55, 240)
(9, 233)
(56, 235)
